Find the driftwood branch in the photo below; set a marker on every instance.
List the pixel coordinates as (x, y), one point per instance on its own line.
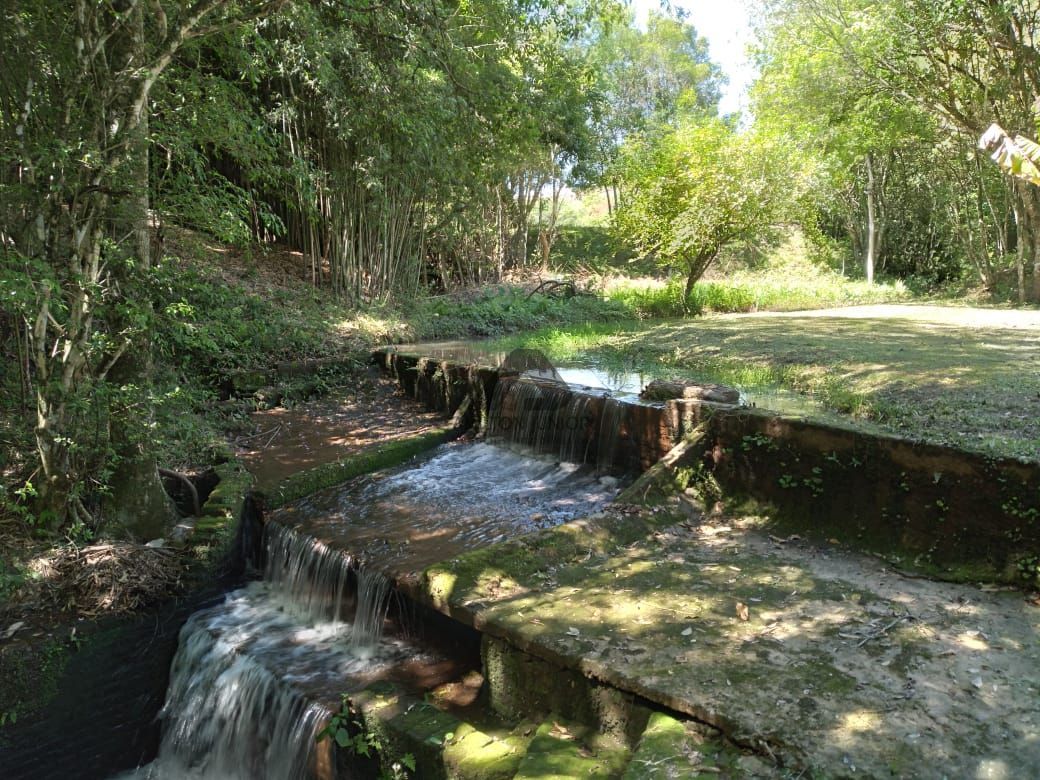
(555, 288)
(186, 481)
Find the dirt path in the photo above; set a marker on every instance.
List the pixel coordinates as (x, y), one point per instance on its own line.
(285, 441)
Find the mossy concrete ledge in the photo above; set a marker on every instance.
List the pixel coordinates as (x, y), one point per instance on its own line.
(442, 385)
(521, 685)
(821, 658)
(952, 513)
(305, 483)
(682, 750)
(442, 745)
(563, 750)
(213, 533)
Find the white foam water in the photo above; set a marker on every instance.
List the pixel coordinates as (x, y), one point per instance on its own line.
(252, 683)
(255, 677)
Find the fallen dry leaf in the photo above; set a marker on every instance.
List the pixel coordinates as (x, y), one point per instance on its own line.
(742, 610)
(560, 732)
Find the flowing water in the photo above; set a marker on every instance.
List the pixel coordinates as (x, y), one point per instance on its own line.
(462, 497)
(622, 382)
(255, 677)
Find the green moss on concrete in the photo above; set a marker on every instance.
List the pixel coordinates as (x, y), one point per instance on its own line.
(520, 685)
(676, 750)
(444, 747)
(522, 563)
(214, 532)
(670, 475)
(327, 475)
(475, 755)
(563, 750)
(247, 381)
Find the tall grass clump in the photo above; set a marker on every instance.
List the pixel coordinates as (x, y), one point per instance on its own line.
(748, 292)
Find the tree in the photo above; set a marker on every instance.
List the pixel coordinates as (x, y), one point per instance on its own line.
(693, 190)
(963, 65)
(646, 78)
(74, 106)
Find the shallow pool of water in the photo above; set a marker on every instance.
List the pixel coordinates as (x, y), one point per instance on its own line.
(463, 496)
(586, 371)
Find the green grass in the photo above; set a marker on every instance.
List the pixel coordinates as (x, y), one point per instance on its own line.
(951, 375)
(748, 292)
(504, 309)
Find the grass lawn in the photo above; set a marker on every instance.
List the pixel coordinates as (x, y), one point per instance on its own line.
(957, 375)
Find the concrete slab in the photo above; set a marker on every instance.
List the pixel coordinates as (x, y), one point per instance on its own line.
(823, 658)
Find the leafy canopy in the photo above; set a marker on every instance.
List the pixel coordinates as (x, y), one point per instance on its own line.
(695, 188)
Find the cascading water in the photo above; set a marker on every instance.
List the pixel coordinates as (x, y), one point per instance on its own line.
(312, 577)
(256, 676)
(227, 714)
(549, 417)
(611, 423)
(464, 496)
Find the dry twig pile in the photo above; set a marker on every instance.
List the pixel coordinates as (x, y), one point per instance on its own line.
(114, 577)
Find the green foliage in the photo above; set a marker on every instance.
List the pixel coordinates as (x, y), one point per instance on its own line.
(646, 78)
(504, 309)
(864, 97)
(693, 190)
(348, 729)
(749, 293)
(208, 327)
(1029, 570)
(592, 249)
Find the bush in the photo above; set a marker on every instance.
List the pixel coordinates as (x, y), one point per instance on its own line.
(505, 309)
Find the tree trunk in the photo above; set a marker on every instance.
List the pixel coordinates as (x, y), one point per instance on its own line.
(1020, 246)
(1031, 235)
(137, 505)
(691, 279)
(871, 250)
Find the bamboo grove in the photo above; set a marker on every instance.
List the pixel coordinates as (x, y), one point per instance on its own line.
(399, 148)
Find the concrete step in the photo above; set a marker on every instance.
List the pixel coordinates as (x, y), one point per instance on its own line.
(562, 750)
(443, 746)
(681, 750)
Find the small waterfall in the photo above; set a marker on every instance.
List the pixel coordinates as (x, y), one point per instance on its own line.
(229, 717)
(611, 422)
(576, 425)
(373, 599)
(321, 583)
(313, 577)
(526, 413)
(552, 418)
(250, 676)
(255, 677)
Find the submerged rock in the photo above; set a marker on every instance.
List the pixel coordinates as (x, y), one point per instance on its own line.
(667, 390)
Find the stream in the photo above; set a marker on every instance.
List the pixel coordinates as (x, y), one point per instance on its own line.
(257, 676)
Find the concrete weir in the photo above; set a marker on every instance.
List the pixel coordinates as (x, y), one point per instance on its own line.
(807, 657)
(509, 608)
(953, 513)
